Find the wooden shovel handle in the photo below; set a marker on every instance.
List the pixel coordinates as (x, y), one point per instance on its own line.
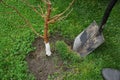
(107, 13)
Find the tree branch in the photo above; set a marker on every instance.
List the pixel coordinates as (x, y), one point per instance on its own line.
(33, 8)
(56, 17)
(25, 19)
(7, 12)
(41, 9)
(45, 1)
(63, 17)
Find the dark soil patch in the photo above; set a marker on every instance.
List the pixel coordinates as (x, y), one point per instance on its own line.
(41, 65)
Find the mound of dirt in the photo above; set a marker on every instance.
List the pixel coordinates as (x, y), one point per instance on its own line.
(41, 65)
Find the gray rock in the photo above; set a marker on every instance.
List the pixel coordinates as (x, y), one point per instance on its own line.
(111, 74)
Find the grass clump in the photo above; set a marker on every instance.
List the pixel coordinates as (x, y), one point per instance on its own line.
(66, 53)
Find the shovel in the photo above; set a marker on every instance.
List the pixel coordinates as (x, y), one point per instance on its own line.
(92, 37)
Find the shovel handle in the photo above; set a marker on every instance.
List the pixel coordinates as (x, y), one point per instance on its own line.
(107, 13)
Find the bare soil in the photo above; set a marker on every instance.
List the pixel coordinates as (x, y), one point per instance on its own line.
(41, 65)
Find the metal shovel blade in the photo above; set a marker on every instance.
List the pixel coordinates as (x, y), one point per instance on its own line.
(88, 40)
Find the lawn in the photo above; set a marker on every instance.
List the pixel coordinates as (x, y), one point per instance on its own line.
(16, 38)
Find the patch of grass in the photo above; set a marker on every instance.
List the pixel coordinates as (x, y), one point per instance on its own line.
(80, 68)
(66, 53)
(15, 44)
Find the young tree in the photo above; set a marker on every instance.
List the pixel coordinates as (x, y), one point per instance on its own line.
(46, 15)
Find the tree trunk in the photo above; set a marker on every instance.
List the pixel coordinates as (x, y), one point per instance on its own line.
(46, 26)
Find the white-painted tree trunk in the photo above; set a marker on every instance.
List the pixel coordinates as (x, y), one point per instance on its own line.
(47, 49)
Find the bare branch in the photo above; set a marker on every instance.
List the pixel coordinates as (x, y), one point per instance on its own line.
(41, 9)
(45, 1)
(49, 1)
(49, 9)
(67, 8)
(60, 18)
(25, 19)
(63, 17)
(34, 9)
(56, 17)
(7, 12)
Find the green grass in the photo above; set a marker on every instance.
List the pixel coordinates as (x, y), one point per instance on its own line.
(16, 38)
(66, 53)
